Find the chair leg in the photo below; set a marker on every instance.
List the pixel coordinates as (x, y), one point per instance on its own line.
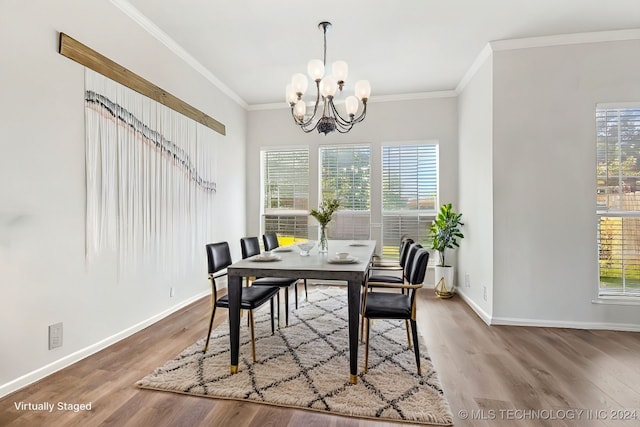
(306, 294)
(286, 306)
(295, 293)
(278, 304)
(406, 325)
(416, 347)
(273, 329)
(366, 348)
(213, 314)
(253, 338)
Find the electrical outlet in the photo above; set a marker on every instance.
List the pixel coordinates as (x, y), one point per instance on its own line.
(467, 280)
(55, 336)
(484, 292)
(172, 292)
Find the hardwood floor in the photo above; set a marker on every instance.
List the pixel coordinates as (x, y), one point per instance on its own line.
(494, 375)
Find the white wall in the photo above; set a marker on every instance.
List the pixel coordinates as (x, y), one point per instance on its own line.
(544, 241)
(475, 169)
(43, 275)
(387, 122)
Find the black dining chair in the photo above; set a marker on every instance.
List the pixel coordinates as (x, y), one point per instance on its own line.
(405, 246)
(219, 258)
(270, 241)
(380, 263)
(394, 305)
(250, 246)
(409, 250)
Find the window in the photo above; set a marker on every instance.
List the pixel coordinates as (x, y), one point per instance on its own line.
(409, 194)
(618, 199)
(346, 174)
(285, 193)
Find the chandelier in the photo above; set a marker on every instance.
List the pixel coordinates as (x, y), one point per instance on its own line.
(326, 88)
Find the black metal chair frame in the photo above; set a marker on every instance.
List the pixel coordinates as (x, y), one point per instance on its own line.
(251, 297)
(270, 241)
(393, 305)
(250, 246)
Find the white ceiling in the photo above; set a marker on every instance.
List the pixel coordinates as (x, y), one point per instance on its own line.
(402, 47)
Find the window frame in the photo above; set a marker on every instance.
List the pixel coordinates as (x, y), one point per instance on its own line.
(608, 215)
(283, 214)
(421, 217)
(343, 215)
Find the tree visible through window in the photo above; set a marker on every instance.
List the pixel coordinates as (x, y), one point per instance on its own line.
(346, 175)
(618, 199)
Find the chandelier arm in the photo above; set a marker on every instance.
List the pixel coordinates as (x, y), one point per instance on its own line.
(344, 131)
(343, 127)
(315, 108)
(362, 115)
(303, 125)
(307, 130)
(337, 115)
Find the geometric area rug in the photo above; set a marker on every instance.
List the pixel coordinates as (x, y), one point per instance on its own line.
(306, 366)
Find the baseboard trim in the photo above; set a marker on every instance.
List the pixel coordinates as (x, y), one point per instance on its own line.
(510, 321)
(38, 374)
(486, 318)
(539, 323)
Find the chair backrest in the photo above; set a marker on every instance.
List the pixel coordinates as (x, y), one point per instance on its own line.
(418, 267)
(270, 241)
(218, 256)
(411, 253)
(404, 250)
(250, 246)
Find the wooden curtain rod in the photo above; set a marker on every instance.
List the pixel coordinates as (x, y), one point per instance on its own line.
(88, 57)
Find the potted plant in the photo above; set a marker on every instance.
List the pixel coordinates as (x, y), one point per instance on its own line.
(444, 233)
(323, 215)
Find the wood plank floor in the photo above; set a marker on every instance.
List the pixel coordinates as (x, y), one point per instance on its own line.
(499, 375)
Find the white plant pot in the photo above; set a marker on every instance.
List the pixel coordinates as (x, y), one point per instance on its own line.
(445, 288)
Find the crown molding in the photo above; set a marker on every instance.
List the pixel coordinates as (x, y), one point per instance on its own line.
(483, 56)
(565, 39)
(544, 41)
(174, 47)
(415, 96)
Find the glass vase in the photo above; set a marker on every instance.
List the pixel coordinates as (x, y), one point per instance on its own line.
(323, 244)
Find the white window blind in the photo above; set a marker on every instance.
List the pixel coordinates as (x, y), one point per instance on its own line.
(409, 194)
(285, 193)
(346, 175)
(618, 199)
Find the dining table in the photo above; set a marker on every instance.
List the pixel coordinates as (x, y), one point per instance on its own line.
(288, 261)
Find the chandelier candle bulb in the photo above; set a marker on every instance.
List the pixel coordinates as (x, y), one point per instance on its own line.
(325, 118)
(340, 71)
(299, 83)
(363, 89)
(292, 98)
(300, 110)
(351, 105)
(315, 69)
(328, 87)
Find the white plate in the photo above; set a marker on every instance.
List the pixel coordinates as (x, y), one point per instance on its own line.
(283, 250)
(347, 260)
(357, 244)
(264, 258)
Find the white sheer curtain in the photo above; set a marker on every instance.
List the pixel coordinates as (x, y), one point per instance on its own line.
(151, 180)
